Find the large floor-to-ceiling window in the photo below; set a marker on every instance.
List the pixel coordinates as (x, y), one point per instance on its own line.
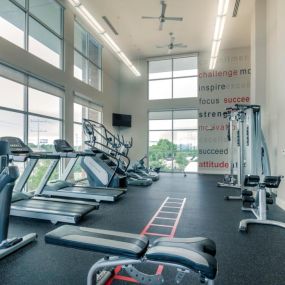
(173, 140)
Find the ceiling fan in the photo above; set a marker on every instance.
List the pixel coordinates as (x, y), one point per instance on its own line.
(162, 17)
(172, 45)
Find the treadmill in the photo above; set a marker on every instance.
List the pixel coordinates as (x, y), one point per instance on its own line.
(31, 206)
(64, 189)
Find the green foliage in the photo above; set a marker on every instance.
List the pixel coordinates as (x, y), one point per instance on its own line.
(164, 152)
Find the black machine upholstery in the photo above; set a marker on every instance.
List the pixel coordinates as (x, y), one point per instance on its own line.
(199, 244)
(194, 260)
(108, 242)
(197, 254)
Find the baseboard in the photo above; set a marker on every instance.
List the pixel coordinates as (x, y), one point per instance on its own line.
(280, 203)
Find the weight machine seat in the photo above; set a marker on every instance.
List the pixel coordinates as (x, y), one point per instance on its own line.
(112, 243)
(199, 244)
(194, 260)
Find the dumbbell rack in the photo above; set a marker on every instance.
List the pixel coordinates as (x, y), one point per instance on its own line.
(259, 205)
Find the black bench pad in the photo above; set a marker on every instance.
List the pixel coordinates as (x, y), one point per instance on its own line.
(111, 243)
(199, 244)
(194, 260)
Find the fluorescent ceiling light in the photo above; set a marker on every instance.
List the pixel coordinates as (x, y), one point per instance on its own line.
(85, 14)
(223, 6)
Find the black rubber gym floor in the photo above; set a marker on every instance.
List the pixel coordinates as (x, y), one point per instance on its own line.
(256, 257)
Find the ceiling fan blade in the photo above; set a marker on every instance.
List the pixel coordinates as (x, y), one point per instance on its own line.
(163, 9)
(146, 17)
(173, 18)
(184, 46)
(162, 46)
(160, 26)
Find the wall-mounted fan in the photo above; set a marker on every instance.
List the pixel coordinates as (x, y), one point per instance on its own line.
(162, 17)
(172, 45)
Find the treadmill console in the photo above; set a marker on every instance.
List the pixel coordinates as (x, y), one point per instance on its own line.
(16, 145)
(62, 146)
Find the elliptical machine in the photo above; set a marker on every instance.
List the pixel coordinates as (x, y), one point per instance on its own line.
(8, 176)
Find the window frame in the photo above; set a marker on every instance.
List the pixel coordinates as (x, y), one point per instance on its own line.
(26, 113)
(172, 78)
(86, 57)
(29, 15)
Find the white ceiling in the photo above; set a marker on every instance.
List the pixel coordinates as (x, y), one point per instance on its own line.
(138, 38)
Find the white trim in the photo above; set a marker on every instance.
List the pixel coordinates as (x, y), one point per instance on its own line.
(280, 203)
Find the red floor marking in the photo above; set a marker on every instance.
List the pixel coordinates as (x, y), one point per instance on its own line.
(145, 232)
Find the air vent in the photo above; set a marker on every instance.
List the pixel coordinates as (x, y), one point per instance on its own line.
(235, 12)
(110, 25)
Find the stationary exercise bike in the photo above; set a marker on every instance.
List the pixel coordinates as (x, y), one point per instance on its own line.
(8, 176)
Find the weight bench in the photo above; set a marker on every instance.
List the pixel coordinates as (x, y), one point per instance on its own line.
(126, 250)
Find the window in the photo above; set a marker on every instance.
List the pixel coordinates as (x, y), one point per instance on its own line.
(87, 58)
(81, 112)
(173, 78)
(173, 140)
(31, 110)
(35, 25)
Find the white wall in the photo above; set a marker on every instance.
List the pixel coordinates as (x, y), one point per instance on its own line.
(274, 101)
(227, 85)
(108, 98)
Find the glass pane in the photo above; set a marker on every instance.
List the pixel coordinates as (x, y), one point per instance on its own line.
(185, 87)
(94, 76)
(186, 154)
(77, 113)
(160, 89)
(160, 124)
(44, 104)
(12, 94)
(38, 173)
(21, 2)
(12, 23)
(49, 12)
(42, 132)
(80, 39)
(80, 67)
(78, 137)
(44, 44)
(160, 69)
(161, 149)
(185, 124)
(160, 115)
(11, 124)
(187, 66)
(185, 114)
(95, 115)
(94, 52)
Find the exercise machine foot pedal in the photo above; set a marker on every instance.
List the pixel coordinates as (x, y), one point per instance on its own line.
(248, 199)
(247, 192)
(269, 201)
